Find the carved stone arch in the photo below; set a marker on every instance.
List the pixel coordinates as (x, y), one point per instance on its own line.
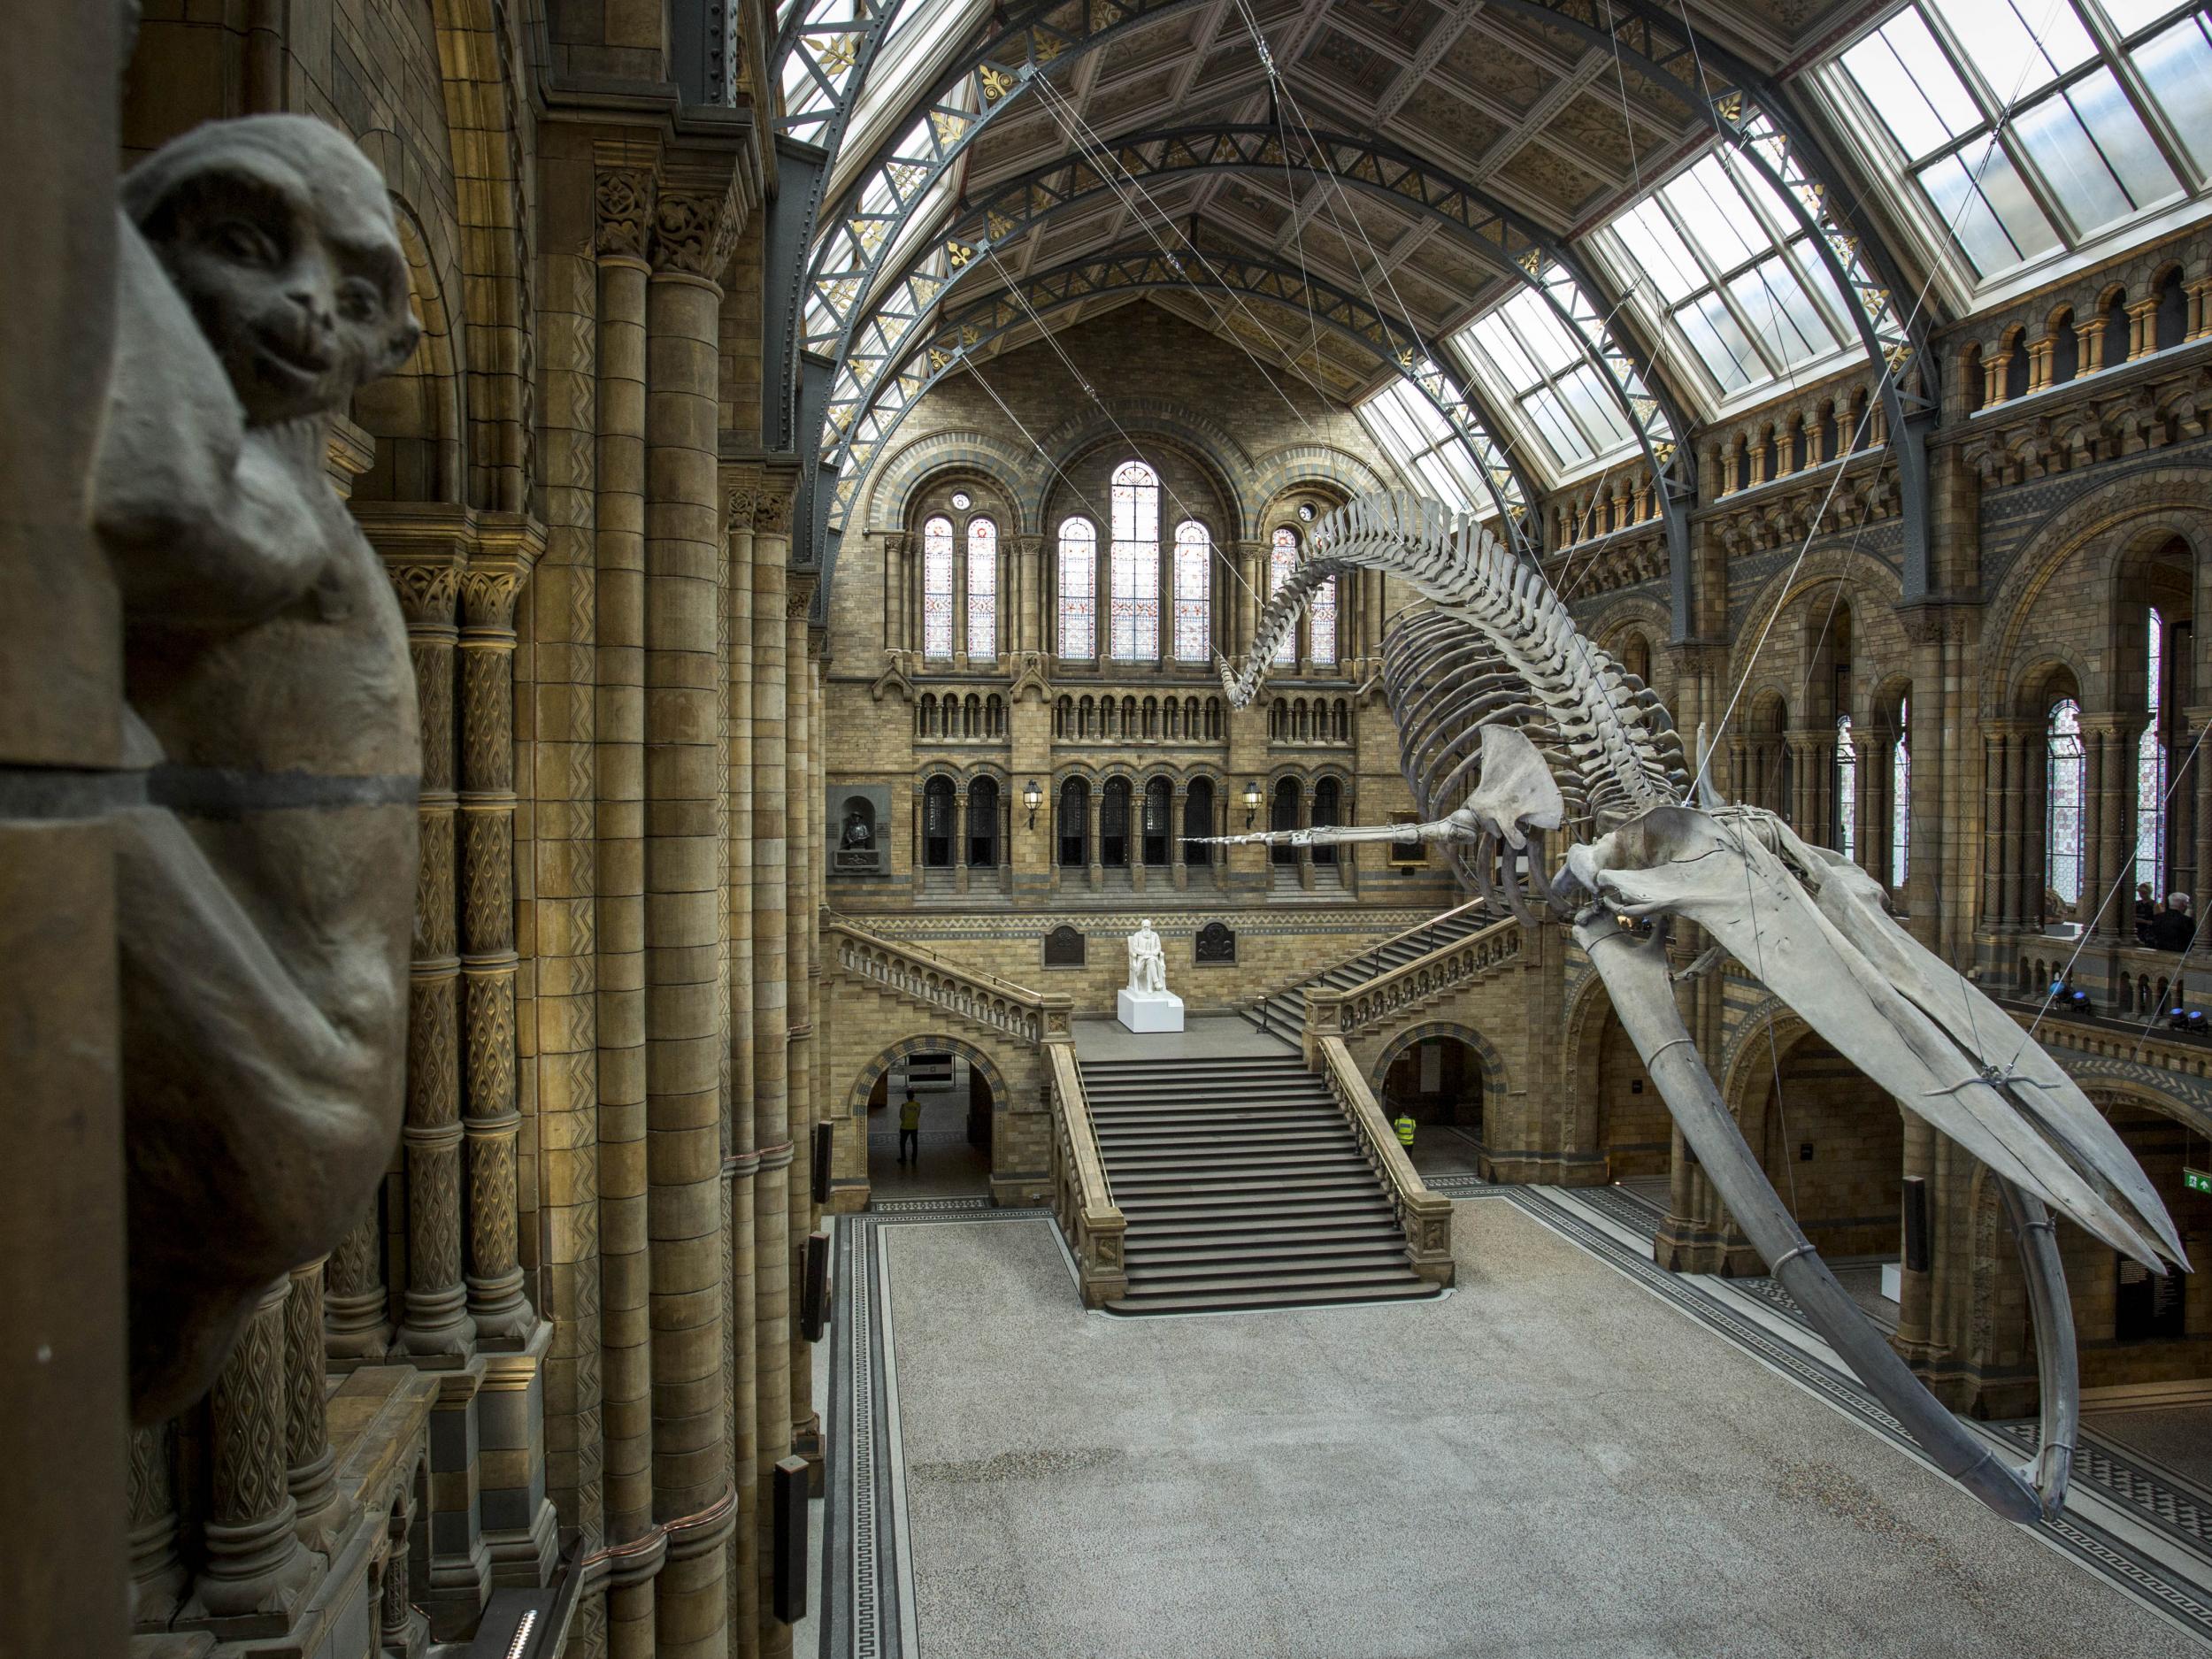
(857, 1098)
(1585, 1027)
(907, 470)
(2042, 680)
(2176, 499)
(1621, 615)
(418, 416)
(990, 769)
(479, 52)
(1150, 424)
(995, 499)
(1761, 1044)
(1309, 467)
(1496, 1081)
(1870, 587)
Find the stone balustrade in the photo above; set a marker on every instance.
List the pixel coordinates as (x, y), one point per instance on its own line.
(973, 994)
(1082, 1200)
(1406, 990)
(1424, 1216)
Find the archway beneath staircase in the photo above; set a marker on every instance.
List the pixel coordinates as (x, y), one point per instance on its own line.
(1445, 1077)
(961, 1096)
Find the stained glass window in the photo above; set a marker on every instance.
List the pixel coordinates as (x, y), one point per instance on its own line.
(1901, 797)
(2062, 815)
(1282, 559)
(1321, 623)
(982, 588)
(2025, 131)
(1847, 837)
(1078, 589)
(937, 589)
(1194, 587)
(1135, 592)
(2150, 774)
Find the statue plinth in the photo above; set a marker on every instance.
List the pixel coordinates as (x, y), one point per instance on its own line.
(1149, 1011)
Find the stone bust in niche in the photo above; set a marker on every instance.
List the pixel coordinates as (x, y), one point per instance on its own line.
(266, 891)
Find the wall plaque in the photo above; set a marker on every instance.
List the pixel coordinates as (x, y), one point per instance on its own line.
(1216, 943)
(1064, 948)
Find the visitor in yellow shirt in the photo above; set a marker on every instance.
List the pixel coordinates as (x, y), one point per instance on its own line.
(910, 1131)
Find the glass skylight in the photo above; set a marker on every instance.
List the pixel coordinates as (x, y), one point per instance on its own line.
(1715, 248)
(1522, 348)
(2027, 135)
(1415, 434)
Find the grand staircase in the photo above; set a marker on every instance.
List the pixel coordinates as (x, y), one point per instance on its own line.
(1243, 1187)
(1283, 1013)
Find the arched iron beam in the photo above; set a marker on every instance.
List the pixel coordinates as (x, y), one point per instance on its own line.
(964, 330)
(1509, 241)
(1756, 118)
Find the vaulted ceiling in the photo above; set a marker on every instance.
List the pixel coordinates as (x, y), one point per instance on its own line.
(1550, 126)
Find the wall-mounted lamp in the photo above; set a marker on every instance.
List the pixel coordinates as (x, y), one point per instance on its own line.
(1251, 802)
(1032, 797)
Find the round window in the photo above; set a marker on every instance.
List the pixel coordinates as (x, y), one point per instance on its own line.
(961, 502)
(1305, 510)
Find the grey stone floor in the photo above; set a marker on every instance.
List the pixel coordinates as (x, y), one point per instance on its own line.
(1203, 1037)
(2171, 1435)
(1547, 1463)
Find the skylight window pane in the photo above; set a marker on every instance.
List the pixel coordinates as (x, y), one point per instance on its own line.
(1552, 423)
(2121, 139)
(1541, 335)
(1781, 311)
(1719, 342)
(1910, 84)
(1659, 251)
(1594, 409)
(1987, 208)
(1496, 340)
(1714, 213)
(2130, 15)
(2053, 134)
(2178, 67)
(1441, 483)
(2020, 46)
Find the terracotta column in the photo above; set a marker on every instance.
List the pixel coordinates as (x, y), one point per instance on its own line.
(426, 569)
(354, 1296)
(742, 1159)
(157, 1572)
(626, 198)
(771, 1103)
(311, 1471)
(684, 778)
(799, 810)
(254, 1561)
(490, 582)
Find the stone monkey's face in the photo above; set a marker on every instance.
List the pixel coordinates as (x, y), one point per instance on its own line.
(282, 243)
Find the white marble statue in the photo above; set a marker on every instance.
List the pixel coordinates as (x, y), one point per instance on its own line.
(1148, 962)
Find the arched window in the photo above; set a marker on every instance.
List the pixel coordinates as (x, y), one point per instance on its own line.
(1075, 812)
(1193, 584)
(1282, 814)
(937, 589)
(1113, 824)
(1135, 636)
(1321, 623)
(1198, 821)
(937, 825)
(983, 822)
(1078, 589)
(1901, 797)
(982, 588)
(1846, 839)
(1328, 811)
(2150, 765)
(2062, 871)
(1159, 804)
(1282, 559)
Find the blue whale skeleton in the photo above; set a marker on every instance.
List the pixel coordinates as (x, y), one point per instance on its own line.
(1512, 726)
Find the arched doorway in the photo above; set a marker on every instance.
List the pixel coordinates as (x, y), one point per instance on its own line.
(937, 825)
(1157, 806)
(983, 824)
(1198, 821)
(955, 1092)
(1074, 826)
(1438, 1079)
(1635, 1131)
(1113, 825)
(1282, 814)
(1833, 1144)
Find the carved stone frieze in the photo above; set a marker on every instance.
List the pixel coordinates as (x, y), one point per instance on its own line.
(625, 216)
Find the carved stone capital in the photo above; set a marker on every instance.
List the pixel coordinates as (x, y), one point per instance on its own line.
(505, 552)
(696, 225)
(798, 592)
(624, 211)
(771, 511)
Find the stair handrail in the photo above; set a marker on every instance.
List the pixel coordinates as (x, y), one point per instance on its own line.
(1413, 984)
(1083, 1199)
(1373, 953)
(974, 994)
(1424, 1214)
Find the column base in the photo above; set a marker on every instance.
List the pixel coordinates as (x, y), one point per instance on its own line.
(436, 1325)
(256, 1576)
(502, 1315)
(322, 1512)
(806, 1441)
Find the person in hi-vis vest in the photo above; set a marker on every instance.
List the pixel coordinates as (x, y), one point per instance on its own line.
(1405, 1129)
(910, 1131)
